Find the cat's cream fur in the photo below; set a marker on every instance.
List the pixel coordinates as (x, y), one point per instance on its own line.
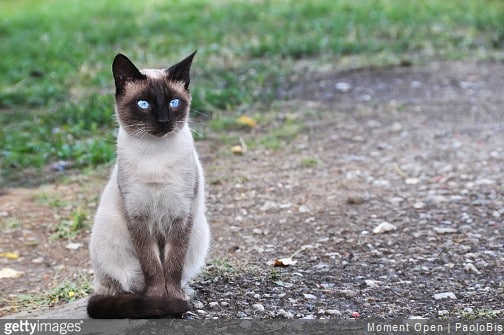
(161, 178)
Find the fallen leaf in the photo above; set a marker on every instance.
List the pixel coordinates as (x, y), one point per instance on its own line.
(245, 120)
(10, 273)
(237, 150)
(283, 262)
(9, 255)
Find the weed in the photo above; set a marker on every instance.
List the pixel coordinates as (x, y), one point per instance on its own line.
(475, 314)
(220, 267)
(71, 227)
(278, 137)
(310, 162)
(65, 291)
(275, 274)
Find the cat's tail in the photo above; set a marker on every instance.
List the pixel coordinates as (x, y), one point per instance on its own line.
(134, 306)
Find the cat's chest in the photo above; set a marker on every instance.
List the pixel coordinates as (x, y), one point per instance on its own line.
(159, 191)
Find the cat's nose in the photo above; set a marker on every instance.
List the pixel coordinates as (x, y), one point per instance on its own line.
(163, 118)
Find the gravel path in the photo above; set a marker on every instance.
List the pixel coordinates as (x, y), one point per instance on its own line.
(388, 204)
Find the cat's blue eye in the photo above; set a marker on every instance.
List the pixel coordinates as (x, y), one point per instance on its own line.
(143, 104)
(175, 103)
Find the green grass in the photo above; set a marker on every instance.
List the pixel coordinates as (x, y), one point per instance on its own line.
(56, 85)
(63, 292)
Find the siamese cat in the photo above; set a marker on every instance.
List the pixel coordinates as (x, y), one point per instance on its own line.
(150, 234)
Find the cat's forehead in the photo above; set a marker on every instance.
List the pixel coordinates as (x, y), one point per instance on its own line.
(160, 77)
(154, 73)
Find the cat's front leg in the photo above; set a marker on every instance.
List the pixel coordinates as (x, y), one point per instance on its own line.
(147, 250)
(175, 254)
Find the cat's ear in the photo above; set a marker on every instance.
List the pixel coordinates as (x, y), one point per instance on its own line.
(124, 70)
(180, 71)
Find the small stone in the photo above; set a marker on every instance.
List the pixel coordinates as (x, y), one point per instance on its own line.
(444, 295)
(384, 227)
(241, 315)
(73, 246)
(258, 307)
(396, 201)
(470, 267)
(419, 205)
(285, 314)
(436, 199)
(198, 305)
(38, 260)
(381, 183)
(356, 200)
(343, 87)
(371, 283)
(411, 181)
(257, 231)
(268, 205)
(309, 296)
(213, 304)
(444, 230)
(348, 293)
(443, 312)
(303, 209)
(396, 127)
(4, 214)
(333, 312)
(10, 273)
(224, 304)
(201, 312)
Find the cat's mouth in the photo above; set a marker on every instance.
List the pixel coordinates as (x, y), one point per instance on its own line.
(164, 129)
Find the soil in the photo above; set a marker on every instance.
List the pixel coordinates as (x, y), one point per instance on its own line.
(416, 151)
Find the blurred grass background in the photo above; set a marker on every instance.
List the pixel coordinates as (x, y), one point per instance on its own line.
(56, 87)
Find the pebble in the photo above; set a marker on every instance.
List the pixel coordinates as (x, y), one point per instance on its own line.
(343, 87)
(396, 127)
(309, 296)
(419, 205)
(333, 312)
(348, 293)
(198, 305)
(356, 200)
(444, 230)
(268, 205)
(10, 273)
(371, 283)
(384, 227)
(258, 307)
(396, 201)
(303, 209)
(444, 295)
(201, 312)
(241, 315)
(470, 267)
(38, 260)
(411, 181)
(73, 246)
(381, 183)
(213, 304)
(285, 314)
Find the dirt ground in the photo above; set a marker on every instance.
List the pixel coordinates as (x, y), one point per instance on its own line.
(388, 204)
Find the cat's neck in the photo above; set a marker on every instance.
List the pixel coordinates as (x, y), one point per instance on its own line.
(171, 147)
